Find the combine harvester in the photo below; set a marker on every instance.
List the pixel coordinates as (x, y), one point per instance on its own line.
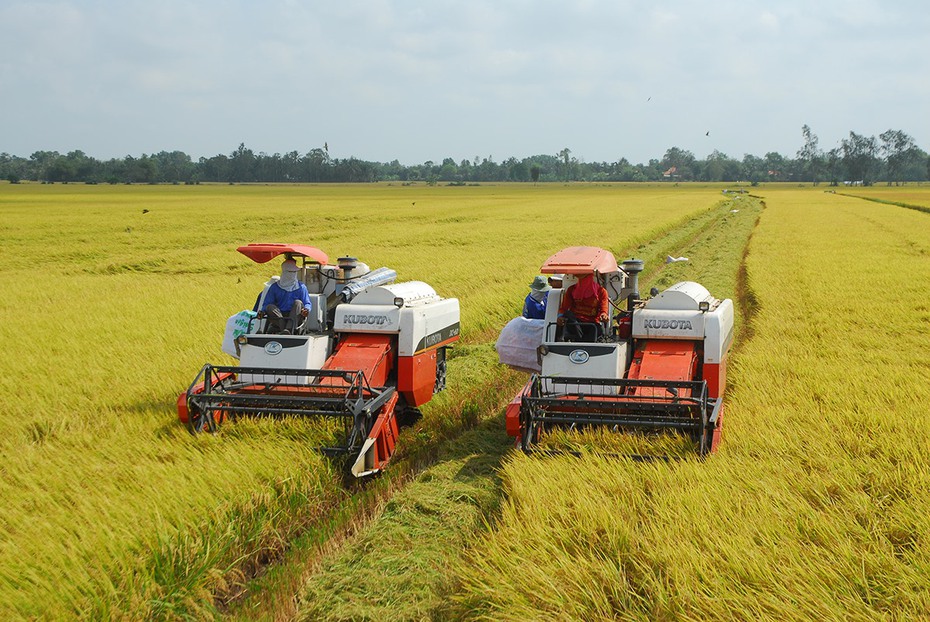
(366, 351)
(660, 366)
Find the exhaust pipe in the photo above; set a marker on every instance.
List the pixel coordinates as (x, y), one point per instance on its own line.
(632, 268)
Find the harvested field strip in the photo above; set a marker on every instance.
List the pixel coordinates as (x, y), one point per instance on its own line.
(414, 550)
(818, 504)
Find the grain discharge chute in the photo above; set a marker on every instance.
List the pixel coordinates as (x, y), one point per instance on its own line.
(659, 365)
(366, 351)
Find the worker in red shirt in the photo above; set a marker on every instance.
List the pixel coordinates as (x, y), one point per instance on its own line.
(584, 307)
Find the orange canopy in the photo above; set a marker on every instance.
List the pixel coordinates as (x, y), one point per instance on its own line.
(580, 260)
(262, 253)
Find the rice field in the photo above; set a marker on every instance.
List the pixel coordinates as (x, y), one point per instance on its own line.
(117, 295)
(421, 542)
(818, 504)
(914, 195)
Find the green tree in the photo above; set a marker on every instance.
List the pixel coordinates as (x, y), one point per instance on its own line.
(899, 151)
(565, 162)
(720, 167)
(317, 164)
(834, 163)
(174, 166)
(39, 163)
(215, 168)
(810, 156)
(449, 171)
(535, 170)
(859, 157)
(681, 160)
(776, 166)
(242, 164)
(60, 169)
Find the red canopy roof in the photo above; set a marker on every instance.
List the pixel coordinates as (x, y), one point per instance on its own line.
(580, 260)
(262, 253)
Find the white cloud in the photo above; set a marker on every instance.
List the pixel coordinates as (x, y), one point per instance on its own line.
(769, 22)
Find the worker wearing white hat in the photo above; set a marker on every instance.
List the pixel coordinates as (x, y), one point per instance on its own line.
(288, 297)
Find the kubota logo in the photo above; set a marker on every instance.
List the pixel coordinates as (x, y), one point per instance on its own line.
(273, 348)
(672, 324)
(578, 356)
(373, 320)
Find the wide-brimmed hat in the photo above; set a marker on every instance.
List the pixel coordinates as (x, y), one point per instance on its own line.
(539, 284)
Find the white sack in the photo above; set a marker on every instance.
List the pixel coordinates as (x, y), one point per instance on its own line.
(517, 343)
(236, 325)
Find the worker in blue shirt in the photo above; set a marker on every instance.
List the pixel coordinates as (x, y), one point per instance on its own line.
(534, 307)
(287, 298)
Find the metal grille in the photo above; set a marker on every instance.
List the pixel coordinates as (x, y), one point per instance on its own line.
(258, 391)
(621, 404)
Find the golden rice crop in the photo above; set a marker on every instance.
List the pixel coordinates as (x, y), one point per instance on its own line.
(462, 491)
(115, 296)
(914, 194)
(818, 504)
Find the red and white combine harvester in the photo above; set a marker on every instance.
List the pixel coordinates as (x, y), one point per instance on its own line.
(660, 365)
(366, 351)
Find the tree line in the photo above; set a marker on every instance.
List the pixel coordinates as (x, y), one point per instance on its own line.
(893, 157)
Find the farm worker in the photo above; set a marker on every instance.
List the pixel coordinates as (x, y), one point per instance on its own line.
(534, 307)
(287, 297)
(584, 306)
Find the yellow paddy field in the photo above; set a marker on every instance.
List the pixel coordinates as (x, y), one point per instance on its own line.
(816, 507)
(116, 296)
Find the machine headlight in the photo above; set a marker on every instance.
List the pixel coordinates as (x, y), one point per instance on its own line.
(541, 351)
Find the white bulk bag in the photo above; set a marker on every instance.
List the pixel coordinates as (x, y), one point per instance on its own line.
(236, 325)
(517, 343)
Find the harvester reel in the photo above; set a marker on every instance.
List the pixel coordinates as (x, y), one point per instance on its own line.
(701, 437)
(198, 421)
(531, 427)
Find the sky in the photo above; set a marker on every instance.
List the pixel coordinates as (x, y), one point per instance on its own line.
(416, 81)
